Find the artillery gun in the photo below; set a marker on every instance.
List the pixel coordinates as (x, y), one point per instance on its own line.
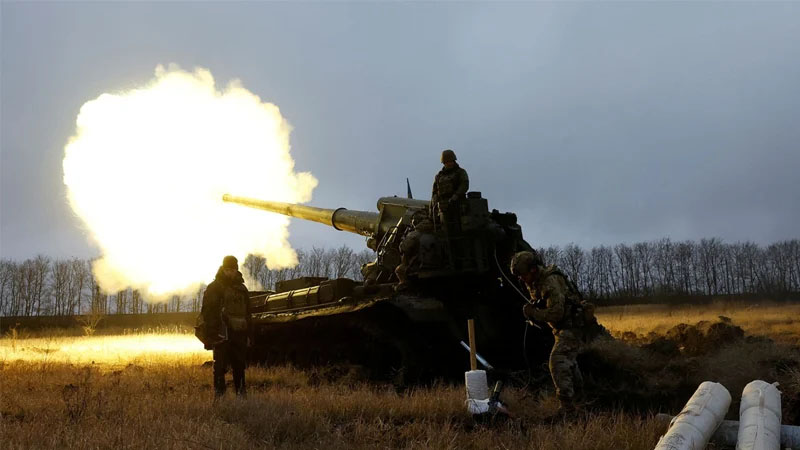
(461, 273)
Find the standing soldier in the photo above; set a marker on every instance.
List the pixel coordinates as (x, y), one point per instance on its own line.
(449, 188)
(558, 302)
(226, 316)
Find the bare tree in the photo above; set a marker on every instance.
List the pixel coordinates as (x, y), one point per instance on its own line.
(7, 269)
(60, 275)
(79, 278)
(342, 261)
(574, 260)
(136, 302)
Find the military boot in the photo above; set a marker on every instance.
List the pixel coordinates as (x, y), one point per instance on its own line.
(566, 409)
(241, 389)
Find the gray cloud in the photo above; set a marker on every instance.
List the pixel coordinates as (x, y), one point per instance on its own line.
(596, 123)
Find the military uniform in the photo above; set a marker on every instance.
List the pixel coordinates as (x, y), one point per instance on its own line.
(449, 187)
(226, 313)
(410, 247)
(561, 311)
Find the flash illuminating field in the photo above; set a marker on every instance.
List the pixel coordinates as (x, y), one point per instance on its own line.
(152, 390)
(115, 350)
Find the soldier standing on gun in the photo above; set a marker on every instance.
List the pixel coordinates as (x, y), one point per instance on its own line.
(226, 313)
(571, 319)
(449, 188)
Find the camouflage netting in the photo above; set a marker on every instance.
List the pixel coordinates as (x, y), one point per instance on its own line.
(660, 372)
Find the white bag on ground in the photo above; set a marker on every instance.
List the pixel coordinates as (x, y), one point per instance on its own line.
(693, 427)
(477, 386)
(760, 417)
(478, 406)
(477, 391)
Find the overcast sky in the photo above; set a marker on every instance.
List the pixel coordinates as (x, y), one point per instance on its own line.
(597, 123)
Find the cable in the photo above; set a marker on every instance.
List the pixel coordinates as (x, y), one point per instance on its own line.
(525, 355)
(528, 323)
(513, 285)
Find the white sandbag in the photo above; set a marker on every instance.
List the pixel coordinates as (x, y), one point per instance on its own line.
(728, 432)
(696, 423)
(477, 406)
(477, 386)
(760, 417)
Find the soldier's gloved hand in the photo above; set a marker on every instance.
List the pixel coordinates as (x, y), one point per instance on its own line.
(528, 311)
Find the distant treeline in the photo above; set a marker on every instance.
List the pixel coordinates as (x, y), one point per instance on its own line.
(659, 269)
(665, 268)
(44, 286)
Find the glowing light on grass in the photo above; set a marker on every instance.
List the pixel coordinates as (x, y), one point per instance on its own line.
(147, 168)
(135, 348)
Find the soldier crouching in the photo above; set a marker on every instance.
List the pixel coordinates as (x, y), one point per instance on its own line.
(410, 259)
(559, 303)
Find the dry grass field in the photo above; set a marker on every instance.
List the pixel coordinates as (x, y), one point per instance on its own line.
(780, 322)
(152, 390)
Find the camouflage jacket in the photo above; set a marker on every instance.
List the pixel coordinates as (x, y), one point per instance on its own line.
(226, 305)
(554, 298)
(450, 184)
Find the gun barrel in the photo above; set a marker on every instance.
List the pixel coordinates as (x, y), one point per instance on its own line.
(358, 222)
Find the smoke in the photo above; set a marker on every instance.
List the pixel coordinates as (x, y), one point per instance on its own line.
(146, 170)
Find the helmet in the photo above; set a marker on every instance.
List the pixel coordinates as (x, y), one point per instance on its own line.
(523, 262)
(421, 222)
(230, 262)
(448, 156)
(418, 217)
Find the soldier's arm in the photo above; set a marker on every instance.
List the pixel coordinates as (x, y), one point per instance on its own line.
(554, 290)
(211, 306)
(463, 185)
(409, 243)
(434, 195)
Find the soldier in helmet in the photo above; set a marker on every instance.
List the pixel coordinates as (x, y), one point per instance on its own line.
(226, 313)
(449, 188)
(558, 302)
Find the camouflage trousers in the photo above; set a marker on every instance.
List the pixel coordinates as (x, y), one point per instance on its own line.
(564, 369)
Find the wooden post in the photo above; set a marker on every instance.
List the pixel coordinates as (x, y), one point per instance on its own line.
(473, 361)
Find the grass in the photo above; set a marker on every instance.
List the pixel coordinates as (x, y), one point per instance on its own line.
(169, 406)
(124, 391)
(780, 322)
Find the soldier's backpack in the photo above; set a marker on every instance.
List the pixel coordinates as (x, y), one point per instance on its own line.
(581, 312)
(208, 336)
(201, 331)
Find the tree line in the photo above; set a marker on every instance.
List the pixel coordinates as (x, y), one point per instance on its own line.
(43, 286)
(663, 268)
(666, 268)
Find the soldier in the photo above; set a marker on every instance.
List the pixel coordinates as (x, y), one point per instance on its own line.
(449, 188)
(226, 313)
(410, 259)
(563, 309)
